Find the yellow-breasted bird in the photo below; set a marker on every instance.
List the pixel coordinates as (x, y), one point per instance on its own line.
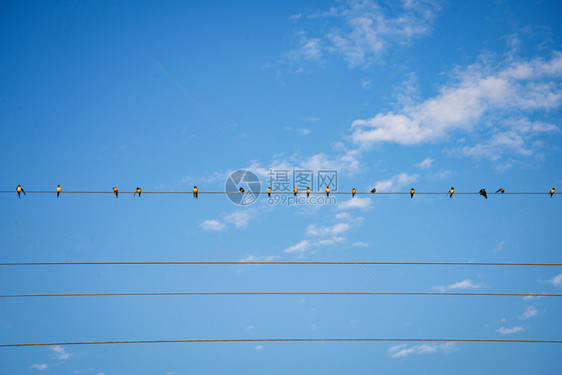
(500, 190)
(374, 191)
(353, 193)
(241, 189)
(307, 191)
(483, 193)
(295, 191)
(269, 191)
(116, 191)
(327, 191)
(19, 189)
(451, 192)
(58, 190)
(412, 192)
(138, 190)
(195, 192)
(551, 192)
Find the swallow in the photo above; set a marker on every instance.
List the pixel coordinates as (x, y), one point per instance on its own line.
(451, 192)
(138, 190)
(374, 191)
(353, 191)
(327, 191)
(58, 190)
(412, 192)
(195, 192)
(483, 193)
(116, 191)
(307, 192)
(500, 190)
(269, 191)
(295, 191)
(19, 189)
(551, 192)
(241, 189)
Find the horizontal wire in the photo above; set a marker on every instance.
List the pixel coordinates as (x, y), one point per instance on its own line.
(278, 293)
(274, 192)
(285, 340)
(275, 263)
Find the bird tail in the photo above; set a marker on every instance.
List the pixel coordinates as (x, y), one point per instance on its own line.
(20, 196)
(58, 193)
(23, 191)
(116, 194)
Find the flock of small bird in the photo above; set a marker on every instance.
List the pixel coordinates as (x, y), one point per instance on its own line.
(138, 191)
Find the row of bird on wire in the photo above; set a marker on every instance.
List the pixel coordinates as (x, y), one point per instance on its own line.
(138, 191)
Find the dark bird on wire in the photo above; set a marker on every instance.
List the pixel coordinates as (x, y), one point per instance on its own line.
(551, 192)
(483, 193)
(451, 192)
(295, 191)
(269, 191)
(500, 190)
(58, 190)
(241, 189)
(412, 192)
(138, 190)
(195, 192)
(116, 191)
(374, 191)
(353, 193)
(307, 191)
(327, 191)
(19, 189)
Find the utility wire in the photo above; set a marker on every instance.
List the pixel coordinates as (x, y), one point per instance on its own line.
(273, 192)
(285, 340)
(275, 263)
(280, 293)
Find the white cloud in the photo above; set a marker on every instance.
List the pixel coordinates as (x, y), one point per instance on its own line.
(360, 203)
(359, 244)
(259, 347)
(465, 284)
(250, 327)
(403, 350)
(301, 247)
(304, 131)
(426, 163)
(529, 312)
(499, 247)
(509, 331)
(557, 280)
(38, 366)
(336, 229)
(214, 225)
(474, 99)
(396, 182)
(295, 16)
(60, 353)
(239, 218)
(360, 31)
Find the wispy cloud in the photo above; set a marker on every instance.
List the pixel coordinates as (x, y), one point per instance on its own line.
(60, 353)
(502, 92)
(465, 284)
(404, 350)
(509, 331)
(213, 225)
(356, 203)
(529, 312)
(396, 182)
(259, 347)
(557, 280)
(426, 163)
(300, 247)
(39, 366)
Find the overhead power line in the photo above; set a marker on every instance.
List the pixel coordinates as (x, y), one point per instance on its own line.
(284, 340)
(302, 193)
(275, 263)
(278, 293)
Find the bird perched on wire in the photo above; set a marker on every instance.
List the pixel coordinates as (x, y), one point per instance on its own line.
(195, 192)
(19, 189)
(269, 191)
(374, 191)
(295, 191)
(483, 193)
(353, 191)
(116, 191)
(137, 191)
(307, 191)
(551, 192)
(241, 189)
(58, 190)
(327, 191)
(412, 192)
(500, 190)
(451, 192)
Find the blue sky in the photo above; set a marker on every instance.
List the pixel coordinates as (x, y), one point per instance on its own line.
(424, 94)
